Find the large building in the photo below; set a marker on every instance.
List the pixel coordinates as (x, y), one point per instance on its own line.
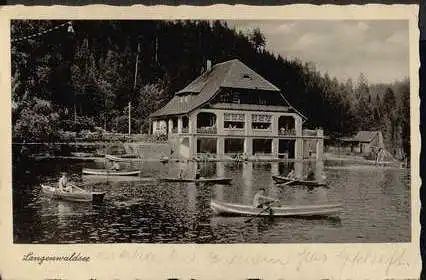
(230, 110)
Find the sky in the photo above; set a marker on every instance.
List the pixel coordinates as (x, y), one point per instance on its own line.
(343, 49)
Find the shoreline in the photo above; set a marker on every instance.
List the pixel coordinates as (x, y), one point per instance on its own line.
(333, 158)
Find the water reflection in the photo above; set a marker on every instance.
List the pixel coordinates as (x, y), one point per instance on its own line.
(376, 206)
(247, 182)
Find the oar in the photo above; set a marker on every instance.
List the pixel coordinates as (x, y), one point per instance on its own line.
(286, 183)
(75, 186)
(261, 212)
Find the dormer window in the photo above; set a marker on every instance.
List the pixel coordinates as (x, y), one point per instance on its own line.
(246, 76)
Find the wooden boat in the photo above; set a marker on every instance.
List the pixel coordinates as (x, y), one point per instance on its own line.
(201, 180)
(123, 158)
(291, 181)
(107, 172)
(77, 194)
(230, 209)
(82, 154)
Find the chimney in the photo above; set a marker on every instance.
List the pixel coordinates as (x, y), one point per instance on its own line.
(209, 65)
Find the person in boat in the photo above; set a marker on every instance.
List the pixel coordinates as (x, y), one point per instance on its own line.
(63, 184)
(260, 199)
(291, 174)
(115, 166)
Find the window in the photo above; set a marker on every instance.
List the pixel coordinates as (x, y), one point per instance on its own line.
(262, 118)
(261, 121)
(233, 121)
(246, 76)
(234, 145)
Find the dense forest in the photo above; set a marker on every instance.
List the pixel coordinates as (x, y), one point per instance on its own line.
(80, 75)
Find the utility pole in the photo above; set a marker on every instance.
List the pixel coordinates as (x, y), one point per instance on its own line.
(134, 86)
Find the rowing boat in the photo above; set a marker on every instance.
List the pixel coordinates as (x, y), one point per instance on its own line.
(291, 181)
(76, 195)
(123, 158)
(201, 180)
(106, 172)
(230, 209)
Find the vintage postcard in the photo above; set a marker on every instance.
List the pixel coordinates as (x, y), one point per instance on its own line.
(222, 142)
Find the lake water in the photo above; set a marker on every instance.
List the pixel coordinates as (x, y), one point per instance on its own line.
(376, 203)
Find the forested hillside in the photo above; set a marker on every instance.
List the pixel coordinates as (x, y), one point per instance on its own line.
(80, 76)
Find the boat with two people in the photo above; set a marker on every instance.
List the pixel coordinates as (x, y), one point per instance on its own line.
(200, 180)
(197, 178)
(113, 170)
(292, 180)
(70, 192)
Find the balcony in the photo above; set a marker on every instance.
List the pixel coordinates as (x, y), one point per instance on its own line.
(207, 130)
(287, 132)
(234, 130)
(185, 130)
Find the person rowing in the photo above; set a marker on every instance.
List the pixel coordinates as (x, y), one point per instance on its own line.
(63, 184)
(291, 174)
(260, 200)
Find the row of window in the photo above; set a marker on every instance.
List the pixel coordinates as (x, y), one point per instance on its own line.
(257, 118)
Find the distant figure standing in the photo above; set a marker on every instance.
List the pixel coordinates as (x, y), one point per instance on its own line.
(197, 173)
(311, 175)
(380, 156)
(63, 185)
(260, 200)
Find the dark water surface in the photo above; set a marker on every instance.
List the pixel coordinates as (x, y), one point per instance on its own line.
(376, 203)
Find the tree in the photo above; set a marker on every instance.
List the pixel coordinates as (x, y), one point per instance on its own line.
(36, 122)
(258, 39)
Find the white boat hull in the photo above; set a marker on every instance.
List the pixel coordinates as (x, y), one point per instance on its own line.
(77, 195)
(222, 208)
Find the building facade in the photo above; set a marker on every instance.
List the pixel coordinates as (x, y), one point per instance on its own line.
(231, 110)
(366, 143)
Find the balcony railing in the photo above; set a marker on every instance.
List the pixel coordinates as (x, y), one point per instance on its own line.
(207, 130)
(174, 130)
(287, 132)
(185, 130)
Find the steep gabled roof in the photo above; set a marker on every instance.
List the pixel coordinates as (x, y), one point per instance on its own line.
(229, 74)
(365, 136)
